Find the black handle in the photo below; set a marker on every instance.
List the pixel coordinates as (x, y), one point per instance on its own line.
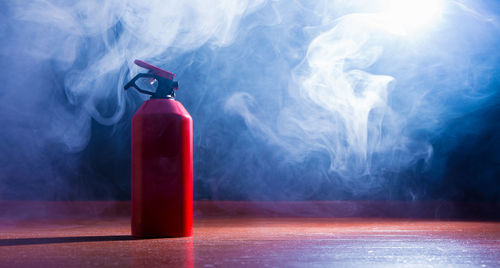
(132, 83)
(165, 88)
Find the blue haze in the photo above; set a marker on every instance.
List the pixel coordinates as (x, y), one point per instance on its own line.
(411, 116)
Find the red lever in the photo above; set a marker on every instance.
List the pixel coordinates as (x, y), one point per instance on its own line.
(155, 70)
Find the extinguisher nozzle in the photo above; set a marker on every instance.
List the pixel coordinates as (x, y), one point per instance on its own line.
(127, 86)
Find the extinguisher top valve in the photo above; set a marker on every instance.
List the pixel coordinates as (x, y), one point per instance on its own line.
(166, 85)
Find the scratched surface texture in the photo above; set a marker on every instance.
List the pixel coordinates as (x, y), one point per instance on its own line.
(234, 234)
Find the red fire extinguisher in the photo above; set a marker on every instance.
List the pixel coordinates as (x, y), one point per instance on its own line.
(162, 159)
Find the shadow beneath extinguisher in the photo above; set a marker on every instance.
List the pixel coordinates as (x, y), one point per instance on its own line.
(57, 240)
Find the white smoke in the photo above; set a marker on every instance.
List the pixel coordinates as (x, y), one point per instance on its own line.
(326, 94)
(95, 43)
(340, 106)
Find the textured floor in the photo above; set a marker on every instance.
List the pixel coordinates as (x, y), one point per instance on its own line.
(236, 239)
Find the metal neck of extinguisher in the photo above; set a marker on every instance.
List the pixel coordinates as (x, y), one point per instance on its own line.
(165, 89)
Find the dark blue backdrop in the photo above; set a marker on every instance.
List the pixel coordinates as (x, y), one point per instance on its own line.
(320, 100)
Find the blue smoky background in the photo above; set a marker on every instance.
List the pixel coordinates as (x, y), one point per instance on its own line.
(291, 100)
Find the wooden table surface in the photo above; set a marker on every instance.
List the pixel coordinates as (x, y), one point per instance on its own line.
(232, 234)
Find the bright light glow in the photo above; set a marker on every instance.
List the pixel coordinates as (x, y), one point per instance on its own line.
(404, 16)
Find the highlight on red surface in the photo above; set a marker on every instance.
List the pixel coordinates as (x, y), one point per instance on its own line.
(158, 71)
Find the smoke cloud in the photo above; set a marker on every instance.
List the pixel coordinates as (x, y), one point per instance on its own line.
(290, 99)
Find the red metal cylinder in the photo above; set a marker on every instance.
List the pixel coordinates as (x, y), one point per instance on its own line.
(162, 170)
